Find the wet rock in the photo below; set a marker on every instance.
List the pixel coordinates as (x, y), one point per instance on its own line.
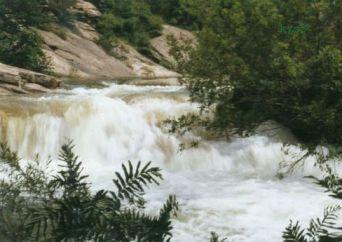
(276, 131)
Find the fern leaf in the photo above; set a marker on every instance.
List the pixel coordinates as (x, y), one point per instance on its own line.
(319, 228)
(294, 233)
(131, 186)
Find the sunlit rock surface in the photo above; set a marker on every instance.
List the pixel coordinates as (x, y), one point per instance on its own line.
(18, 80)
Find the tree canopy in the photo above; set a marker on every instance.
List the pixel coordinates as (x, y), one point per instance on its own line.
(251, 72)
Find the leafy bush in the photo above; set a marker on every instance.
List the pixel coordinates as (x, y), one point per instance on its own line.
(183, 13)
(26, 13)
(130, 20)
(35, 13)
(248, 72)
(35, 206)
(20, 45)
(60, 9)
(22, 48)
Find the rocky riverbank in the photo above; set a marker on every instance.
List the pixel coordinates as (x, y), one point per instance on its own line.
(75, 54)
(17, 80)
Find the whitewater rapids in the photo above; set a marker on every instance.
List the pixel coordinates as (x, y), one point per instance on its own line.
(227, 187)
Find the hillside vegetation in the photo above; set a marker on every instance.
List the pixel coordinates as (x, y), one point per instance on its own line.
(133, 21)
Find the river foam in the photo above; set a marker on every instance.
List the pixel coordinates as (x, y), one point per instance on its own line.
(228, 187)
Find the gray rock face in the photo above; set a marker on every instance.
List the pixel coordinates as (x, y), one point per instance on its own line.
(18, 80)
(81, 58)
(78, 56)
(141, 65)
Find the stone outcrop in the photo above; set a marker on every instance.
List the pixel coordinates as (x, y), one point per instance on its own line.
(18, 80)
(88, 9)
(78, 56)
(276, 132)
(161, 45)
(139, 64)
(86, 31)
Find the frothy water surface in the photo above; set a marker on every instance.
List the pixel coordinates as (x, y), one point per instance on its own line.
(227, 187)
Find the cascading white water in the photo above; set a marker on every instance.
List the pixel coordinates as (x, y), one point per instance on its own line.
(227, 187)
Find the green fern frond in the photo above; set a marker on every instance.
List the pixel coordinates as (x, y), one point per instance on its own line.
(320, 230)
(171, 205)
(331, 182)
(131, 185)
(320, 227)
(70, 178)
(294, 233)
(77, 215)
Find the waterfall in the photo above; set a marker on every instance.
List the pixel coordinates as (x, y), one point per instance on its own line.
(228, 187)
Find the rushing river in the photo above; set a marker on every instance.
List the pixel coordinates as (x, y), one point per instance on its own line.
(227, 187)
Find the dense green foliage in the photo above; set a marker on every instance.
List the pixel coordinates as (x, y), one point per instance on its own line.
(20, 45)
(131, 20)
(249, 72)
(183, 13)
(36, 206)
(34, 13)
(22, 48)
